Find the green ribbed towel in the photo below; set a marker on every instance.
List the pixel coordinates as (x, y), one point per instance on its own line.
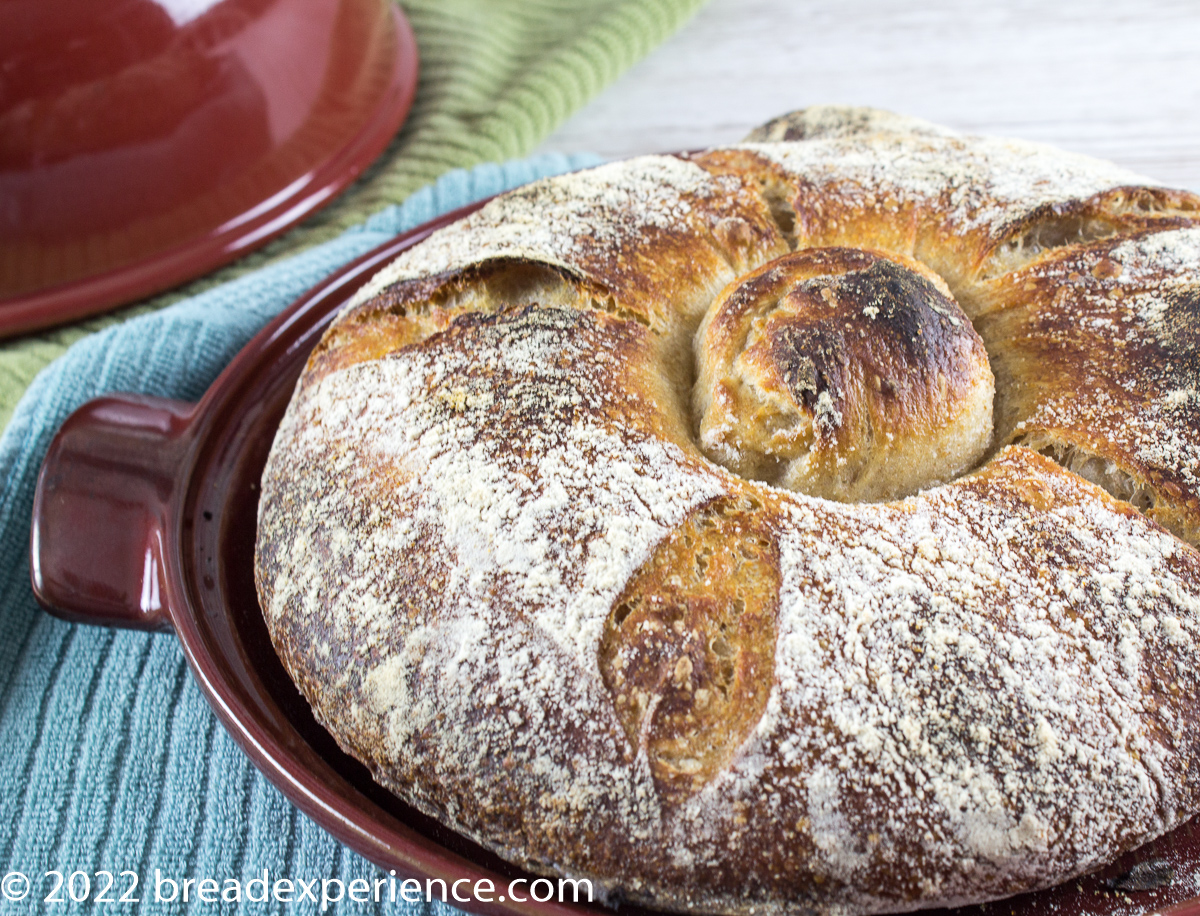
(497, 76)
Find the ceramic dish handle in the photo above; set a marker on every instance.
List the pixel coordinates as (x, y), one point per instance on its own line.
(101, 509)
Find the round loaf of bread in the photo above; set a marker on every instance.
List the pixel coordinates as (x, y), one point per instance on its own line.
(807, 525)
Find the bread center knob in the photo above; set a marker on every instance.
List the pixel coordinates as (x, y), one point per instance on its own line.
(843, 373)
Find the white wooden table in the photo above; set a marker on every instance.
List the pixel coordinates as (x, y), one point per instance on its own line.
(1118, 80)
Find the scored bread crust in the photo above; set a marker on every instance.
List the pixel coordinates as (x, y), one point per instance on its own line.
(499, 561)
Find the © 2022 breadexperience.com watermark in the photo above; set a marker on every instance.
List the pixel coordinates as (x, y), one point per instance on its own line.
(66, 887)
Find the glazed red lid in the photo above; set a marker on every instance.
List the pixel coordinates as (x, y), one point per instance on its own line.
(145, 142)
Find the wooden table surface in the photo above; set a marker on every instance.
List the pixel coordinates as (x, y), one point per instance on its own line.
(1116, 80)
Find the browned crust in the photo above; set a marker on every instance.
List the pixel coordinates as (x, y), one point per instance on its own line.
(826, 365)
(1086, 375)
(688, 648)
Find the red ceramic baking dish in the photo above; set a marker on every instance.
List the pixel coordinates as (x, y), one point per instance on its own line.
(145, 517)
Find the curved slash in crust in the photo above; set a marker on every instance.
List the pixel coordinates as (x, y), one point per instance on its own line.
(688, 652)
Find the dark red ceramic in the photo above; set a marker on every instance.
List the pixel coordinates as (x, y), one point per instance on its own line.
(145, 142)
(145, 517)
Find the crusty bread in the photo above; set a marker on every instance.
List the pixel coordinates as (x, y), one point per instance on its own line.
(807, 525)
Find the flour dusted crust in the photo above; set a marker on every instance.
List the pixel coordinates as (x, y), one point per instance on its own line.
(538, 537)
